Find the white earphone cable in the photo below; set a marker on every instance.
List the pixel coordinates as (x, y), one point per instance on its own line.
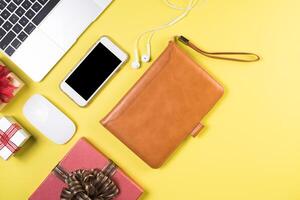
(152, 31)
(176, 7)
(179, 18)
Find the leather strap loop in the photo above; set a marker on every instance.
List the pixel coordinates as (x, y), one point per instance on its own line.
(232, 56)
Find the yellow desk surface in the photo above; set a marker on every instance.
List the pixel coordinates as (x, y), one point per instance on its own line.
(250, 148)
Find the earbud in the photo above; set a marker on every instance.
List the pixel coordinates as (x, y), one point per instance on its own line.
(136, 64)
(147, 56)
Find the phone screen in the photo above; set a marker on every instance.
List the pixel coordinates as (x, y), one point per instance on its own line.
(93, 71)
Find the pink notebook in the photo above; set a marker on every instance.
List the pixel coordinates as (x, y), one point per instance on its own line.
(84, 156)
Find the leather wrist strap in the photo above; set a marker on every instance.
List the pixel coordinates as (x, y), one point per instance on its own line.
(232, 56)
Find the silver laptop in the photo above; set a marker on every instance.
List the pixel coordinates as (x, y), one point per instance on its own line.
(35, 34)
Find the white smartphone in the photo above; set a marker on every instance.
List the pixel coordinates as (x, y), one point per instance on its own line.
(103, 60)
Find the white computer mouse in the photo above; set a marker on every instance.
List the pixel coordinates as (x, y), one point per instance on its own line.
(48, 119)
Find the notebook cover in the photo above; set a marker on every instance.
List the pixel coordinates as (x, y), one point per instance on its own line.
(84, 156)
(165, 106)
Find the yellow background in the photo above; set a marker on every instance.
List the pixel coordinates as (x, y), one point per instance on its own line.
(250, 148)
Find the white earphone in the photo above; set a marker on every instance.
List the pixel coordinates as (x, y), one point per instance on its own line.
(146, 57)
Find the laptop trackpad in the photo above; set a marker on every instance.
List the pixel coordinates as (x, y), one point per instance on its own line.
(68, 20)
(37, 55)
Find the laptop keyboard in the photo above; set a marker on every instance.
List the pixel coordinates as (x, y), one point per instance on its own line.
(18, 19)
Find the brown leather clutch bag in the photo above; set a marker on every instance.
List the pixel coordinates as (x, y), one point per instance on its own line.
(164, 107)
